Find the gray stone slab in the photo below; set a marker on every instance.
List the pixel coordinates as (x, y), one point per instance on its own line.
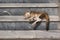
(49, 34)
(27, 26)
(28, 1)
(29, 34)
(28, 5)
(21, 18)
(21, 10)
(17, 34)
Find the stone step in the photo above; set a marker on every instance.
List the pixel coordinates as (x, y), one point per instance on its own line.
(30, 34)
(29, 5)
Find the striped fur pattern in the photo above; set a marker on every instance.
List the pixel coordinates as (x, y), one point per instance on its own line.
(35, 17)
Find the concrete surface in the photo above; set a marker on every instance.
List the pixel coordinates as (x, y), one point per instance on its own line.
(28, 5)
(25, 34)
(28, 1)
(21, 18)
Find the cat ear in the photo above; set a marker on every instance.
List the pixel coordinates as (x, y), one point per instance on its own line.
(28, 13)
